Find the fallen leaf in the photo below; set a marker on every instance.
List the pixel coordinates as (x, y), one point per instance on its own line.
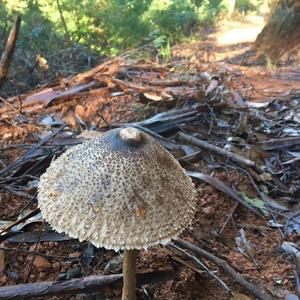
(42, 62)
(152, 96)
(243, 245)
(221, 186)
(256, 202)
(291, 297)
(293, 223)
(290, 248)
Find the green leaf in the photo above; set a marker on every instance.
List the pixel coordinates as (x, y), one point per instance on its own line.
(256, 202)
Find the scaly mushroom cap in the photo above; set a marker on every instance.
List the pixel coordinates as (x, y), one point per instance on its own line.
(120, 190)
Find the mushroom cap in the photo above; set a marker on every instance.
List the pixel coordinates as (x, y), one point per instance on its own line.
(120, 190)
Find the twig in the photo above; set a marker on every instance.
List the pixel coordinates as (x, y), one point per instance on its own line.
(262, 196)
(9, 104)
(187, 263)
(31, 151)
(202, 265)
(228, 218)
(22, 220)
(68, 36)
(94, 283)
(217, 150)
(255, 290)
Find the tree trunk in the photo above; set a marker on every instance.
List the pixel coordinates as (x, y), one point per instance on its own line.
(281, 34)
(8, 51)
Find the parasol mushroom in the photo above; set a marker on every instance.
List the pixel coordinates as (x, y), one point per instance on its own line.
(121, 190)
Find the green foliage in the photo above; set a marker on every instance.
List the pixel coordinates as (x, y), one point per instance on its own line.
(209, 10)
(122, 24)
(165, 50)
(248, 5)
(256, 202)
(107, 26)
(172, 20)
(271, 63)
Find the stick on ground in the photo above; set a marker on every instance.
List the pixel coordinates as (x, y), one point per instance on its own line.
(94, 283)
(202, 144)
(252, 288)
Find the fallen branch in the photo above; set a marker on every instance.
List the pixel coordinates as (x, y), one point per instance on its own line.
(9, 50)
(217, 150)
(94, 283)
(203, 266)
(253, 289)
(273, 144)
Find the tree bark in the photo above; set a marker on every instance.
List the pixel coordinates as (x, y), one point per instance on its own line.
(9, 50)
(281, 34)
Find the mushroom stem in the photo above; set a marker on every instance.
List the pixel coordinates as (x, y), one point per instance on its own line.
(129, 275)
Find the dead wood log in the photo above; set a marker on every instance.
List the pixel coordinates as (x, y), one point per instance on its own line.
(93, 283)
(9, 50)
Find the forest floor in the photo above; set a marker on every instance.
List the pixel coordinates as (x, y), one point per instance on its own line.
(235, 93)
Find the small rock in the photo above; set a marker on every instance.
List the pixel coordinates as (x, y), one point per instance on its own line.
(62, 276)
(41, 263)
(209, 211)
(80, 111)
(42, 275)
(56, 267)
(73, 273)
(32, 277)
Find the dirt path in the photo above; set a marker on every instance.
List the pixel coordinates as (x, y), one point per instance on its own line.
(238, 32)
(229, 47)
